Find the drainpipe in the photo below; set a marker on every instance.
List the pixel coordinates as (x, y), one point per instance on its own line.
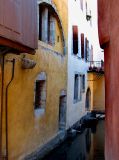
(6, 104)
(1, 116)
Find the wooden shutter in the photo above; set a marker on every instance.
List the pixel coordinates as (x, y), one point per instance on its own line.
(82, 45)
(75, 39)
(1, 12)
(81, 4)
(11, 19)
(86, 49)
(76, 86)
(18, 24)
(29, 23)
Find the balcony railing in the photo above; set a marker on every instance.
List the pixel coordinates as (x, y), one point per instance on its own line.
(96, 66)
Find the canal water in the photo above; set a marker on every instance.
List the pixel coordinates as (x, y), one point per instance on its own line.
(88, 145)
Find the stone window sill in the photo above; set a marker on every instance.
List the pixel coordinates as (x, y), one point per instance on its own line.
(39, 112)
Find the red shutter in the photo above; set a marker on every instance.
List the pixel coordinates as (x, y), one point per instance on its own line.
(86, 49)
(82, 45)
(11, 19)
(18, 25)
(29, 23)
(1, 12)
(75, 39)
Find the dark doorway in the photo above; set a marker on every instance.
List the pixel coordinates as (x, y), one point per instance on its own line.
(62, 112)
(88, 99)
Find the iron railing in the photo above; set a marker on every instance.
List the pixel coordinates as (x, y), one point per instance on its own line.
(97, 66)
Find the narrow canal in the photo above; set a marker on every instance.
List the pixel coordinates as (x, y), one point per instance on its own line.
(89, 145)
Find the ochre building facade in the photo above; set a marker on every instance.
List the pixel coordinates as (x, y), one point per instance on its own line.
(38, 88)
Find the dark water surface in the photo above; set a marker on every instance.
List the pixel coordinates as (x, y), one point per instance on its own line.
(86, 146)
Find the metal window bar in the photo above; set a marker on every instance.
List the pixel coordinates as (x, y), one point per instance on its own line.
(96, 65)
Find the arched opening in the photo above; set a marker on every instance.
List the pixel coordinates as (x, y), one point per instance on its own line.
(88, 99)
(47, 15)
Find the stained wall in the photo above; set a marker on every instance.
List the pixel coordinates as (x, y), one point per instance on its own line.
(27, 131)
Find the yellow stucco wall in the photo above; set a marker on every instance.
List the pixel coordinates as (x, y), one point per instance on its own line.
(27, 132)
(97, 87)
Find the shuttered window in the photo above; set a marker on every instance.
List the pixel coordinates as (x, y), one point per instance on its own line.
(81, 4)
(83, 83)
(82, 45)
(75, 39)
(40, 22)
(76, 86)
(86, 49)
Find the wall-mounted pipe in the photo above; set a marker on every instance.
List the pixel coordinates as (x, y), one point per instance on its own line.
(6, 105)
(2, 92)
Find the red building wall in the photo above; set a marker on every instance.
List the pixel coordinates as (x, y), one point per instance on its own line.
(108, 23)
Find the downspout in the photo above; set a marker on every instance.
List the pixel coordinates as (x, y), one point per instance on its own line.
(6, 105)
(1, 116)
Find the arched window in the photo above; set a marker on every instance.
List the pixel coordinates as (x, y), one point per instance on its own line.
(46, 25)
(40, 91)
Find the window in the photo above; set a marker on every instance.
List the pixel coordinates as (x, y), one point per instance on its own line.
(88, 99)
(79, 86)
(81, 4)
(91, 53)
(62, 110)
(51, 29)
(86, 49)
(46, 25)
(75, 40)
(82, 77)
(40, 91)
(86, 8)
(43, 24)
(82, 45)
(76, 86)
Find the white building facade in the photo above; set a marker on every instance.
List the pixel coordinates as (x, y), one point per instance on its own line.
(81, 46)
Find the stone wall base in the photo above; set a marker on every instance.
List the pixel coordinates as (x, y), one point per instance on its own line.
(48, 147)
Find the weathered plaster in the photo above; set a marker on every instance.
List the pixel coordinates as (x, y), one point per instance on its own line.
(26, 131)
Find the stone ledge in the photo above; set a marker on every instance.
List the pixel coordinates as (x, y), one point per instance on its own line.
(44, 150)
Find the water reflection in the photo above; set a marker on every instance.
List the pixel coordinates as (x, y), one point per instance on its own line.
(87, 146)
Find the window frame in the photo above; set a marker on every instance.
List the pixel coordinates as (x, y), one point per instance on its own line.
(37, 110)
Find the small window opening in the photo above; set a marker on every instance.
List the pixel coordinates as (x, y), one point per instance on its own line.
(76, 86)
(82, 45)
(75, 39)
(40, 91)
